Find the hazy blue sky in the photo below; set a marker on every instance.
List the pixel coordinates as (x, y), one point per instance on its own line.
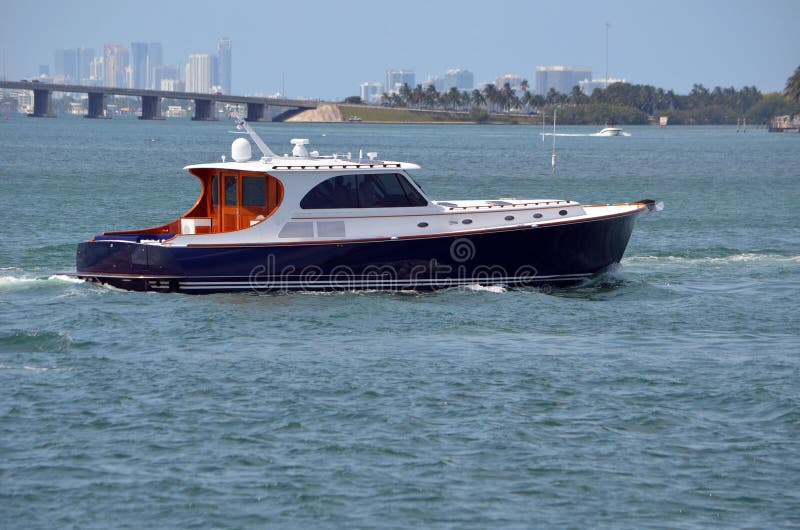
(327, 48)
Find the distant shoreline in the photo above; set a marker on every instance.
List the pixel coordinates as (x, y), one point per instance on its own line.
(345, 113)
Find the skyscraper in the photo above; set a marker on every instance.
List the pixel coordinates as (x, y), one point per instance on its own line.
(155, 56)
(198, 73)
(85, 58)
(223, 77)
(140, 64)
(66, 66)
(166, 73)
(397, 78)
(115, 61)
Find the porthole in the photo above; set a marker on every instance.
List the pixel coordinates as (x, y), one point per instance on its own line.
(422, 224)
(467, 221)
(509, 217)
(562, 212)
(537, 216)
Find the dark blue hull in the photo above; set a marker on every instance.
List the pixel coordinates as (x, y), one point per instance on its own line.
(550, 255)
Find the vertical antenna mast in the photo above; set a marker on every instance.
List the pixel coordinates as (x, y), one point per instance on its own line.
(607, 26)
(543, 120)
(553, 160)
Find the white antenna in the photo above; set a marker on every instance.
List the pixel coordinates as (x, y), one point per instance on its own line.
(241, 123)
(607, 26)
(553, 160)
(543, 118)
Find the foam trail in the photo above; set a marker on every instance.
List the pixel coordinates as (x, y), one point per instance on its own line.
(19, 281)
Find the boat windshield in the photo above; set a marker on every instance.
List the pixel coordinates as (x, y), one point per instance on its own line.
(372, 190)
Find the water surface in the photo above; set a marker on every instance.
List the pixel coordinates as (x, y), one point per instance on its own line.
(663, 393)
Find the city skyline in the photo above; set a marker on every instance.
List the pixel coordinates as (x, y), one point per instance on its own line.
(141, 66)
(740, 43)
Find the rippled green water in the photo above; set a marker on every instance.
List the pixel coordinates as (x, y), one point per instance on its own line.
(662, 394)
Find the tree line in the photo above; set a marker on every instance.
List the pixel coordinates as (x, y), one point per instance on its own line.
(622, 103)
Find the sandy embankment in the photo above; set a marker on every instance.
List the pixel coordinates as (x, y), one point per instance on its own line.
(322, 113)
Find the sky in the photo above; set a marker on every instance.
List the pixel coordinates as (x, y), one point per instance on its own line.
(325, 49)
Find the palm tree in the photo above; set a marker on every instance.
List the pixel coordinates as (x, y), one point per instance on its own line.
(793, 86)
(576, 96)
(405, 94)
(509, 98)
(464, 100)
(451, 98)
(430, 97)
(552, 97)
(416, 96)
(477, 99)
(490, 96)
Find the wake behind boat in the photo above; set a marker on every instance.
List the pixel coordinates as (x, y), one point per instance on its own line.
(312, 222)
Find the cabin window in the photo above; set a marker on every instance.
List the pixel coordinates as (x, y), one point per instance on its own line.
(413, 195)
(336, 192)
(253, 191)
(230, 190)
(377, 190)
(214, 191)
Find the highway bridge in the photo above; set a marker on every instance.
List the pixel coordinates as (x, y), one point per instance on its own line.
(204, 104)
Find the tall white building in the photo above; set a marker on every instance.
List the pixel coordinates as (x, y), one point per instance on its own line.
(561, 78)
(455, 77)
(198, 73)
(224, 67)
(397, 78)
(115, 62)
(513, 80)
(371, 92)
(587, 86)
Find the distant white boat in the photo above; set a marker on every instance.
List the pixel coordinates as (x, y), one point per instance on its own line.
(610, 131)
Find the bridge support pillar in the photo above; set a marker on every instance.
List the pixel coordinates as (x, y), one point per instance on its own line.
(41, 104)
(97, 106)
(204, 110)
(151, 108)
(256, 111)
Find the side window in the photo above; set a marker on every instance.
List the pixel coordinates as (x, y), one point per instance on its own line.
(387, 190)
(253, 191)
(214, 190)
(336, 192)
(414, 197)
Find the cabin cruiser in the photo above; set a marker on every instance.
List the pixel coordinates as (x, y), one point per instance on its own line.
(609, 131)
(310, 222)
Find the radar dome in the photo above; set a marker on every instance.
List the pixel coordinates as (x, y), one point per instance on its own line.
(241, 150)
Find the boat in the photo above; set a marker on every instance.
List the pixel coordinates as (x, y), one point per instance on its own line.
(609, 131)
(341, 222)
